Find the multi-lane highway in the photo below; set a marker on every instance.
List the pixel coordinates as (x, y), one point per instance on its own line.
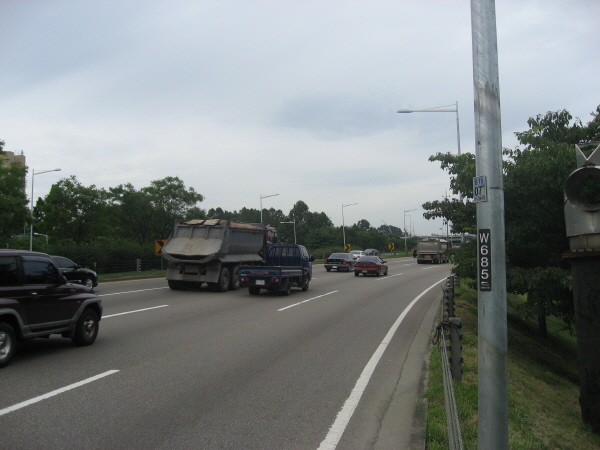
(337, 366)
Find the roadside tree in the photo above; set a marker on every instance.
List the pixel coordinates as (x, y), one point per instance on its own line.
(72, 211)
(14, 214)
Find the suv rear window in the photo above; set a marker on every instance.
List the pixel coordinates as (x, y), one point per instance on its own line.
(9, 273)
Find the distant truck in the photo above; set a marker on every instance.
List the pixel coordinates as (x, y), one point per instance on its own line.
(286, 266)
(211, 251)
(432, 250)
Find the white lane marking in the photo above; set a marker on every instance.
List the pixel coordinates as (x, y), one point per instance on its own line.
(136, 311)
(339, 426)
(389, 276)
(314, 298)
(130, 292)
(53, 393)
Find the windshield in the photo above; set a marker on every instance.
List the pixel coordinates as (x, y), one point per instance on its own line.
(369, 259)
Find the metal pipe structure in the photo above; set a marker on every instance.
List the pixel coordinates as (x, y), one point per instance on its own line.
(33, 174)
(261, 197)
(492, 346)
(343, 224)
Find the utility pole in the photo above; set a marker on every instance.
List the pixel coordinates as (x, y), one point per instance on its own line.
(492, 349)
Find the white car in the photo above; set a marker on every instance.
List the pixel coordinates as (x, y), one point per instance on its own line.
(357, 254)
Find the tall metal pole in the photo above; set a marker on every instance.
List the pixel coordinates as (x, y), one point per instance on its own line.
(405, 211)
(492, 350)
(261, 197)
(438, 109)
(33, 174)
(294, 222)
(31, 212)
(457, 129)
(343, 224)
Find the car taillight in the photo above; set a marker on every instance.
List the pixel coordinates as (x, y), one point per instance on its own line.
(344, 262)
(326, 261)
(274, 280)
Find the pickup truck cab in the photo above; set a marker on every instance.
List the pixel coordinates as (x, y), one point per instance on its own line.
(286, 266)
(36, 301)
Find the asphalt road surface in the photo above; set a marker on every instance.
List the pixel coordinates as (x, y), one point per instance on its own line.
(336, 367)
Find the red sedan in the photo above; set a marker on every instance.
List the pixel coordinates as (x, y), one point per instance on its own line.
(373, 265)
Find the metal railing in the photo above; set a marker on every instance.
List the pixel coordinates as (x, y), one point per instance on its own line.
(134, 265)
(449, 330)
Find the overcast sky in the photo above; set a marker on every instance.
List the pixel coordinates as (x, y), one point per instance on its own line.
(298, 98)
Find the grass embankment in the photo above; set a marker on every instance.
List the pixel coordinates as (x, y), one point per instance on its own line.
(543, 385)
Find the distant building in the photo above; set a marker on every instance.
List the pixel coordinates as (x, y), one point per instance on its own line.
(9, 158)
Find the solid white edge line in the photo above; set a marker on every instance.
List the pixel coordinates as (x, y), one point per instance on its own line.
(389, 276)
(131, 292)
(343, 417)
(299, 303)
(131, 312)
(53, 393)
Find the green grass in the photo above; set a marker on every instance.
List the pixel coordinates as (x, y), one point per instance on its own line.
(543, 386)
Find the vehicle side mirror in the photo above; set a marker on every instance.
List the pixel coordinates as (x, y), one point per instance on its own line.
(312, 258)
(383, 261)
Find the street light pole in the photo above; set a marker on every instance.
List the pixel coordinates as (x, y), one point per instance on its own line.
(261, 197)
(405, 211)
(294, 222)
(343, 224)
(438, 109)
(33, 174)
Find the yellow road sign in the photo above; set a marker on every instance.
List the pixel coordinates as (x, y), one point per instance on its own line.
(391, 246)
(347, 247)
(158, 245)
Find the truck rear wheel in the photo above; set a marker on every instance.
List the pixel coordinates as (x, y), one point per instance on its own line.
(305, 282)
(234, 283)
(224, 278)
(287, 290)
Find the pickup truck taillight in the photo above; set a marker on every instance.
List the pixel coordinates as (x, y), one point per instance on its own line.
(325, 262)
(274, 280)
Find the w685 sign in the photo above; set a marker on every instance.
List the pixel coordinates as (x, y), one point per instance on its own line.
(485, 260)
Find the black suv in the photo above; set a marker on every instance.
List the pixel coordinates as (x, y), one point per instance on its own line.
(74, 273)
(36, 301)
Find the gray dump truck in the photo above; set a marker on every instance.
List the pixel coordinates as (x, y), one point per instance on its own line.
(432, 250)
(211, 251)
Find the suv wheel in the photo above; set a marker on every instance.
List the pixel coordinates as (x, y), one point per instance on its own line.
(88, 282)
(86, 329)
(8, 343)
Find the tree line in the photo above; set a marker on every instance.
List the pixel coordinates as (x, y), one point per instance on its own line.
(534, 178)
(88, 223)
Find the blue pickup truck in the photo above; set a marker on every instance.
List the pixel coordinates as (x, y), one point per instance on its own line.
(286, 266)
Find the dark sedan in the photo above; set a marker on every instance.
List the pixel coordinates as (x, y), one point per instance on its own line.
(371, 265)
(339, 261)
(74, 273)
